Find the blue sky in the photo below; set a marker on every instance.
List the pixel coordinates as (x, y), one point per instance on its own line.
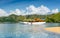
(22, 4)
(21, 7)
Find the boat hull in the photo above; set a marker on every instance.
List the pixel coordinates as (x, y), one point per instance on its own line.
(33, 22)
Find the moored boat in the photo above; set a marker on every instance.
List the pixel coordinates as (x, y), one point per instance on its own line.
(35, 21)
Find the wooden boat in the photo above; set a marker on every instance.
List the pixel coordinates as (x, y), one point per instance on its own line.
(35, 21)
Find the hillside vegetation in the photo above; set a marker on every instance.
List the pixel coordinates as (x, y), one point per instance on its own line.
(15, 18)
(55, 18)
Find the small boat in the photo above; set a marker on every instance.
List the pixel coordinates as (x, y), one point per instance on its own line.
(33, 22)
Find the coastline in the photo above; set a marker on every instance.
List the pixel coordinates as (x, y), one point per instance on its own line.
(53, 29)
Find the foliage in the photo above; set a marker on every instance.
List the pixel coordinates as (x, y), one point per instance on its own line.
(15, 18)
(53, 18)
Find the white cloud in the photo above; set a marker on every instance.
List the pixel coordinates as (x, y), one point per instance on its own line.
(38, 10)
(41, 10)
(17, 12)
(55, 11)
(31, 9)
(3, 12)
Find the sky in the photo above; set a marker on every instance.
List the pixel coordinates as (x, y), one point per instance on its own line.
(19, 7)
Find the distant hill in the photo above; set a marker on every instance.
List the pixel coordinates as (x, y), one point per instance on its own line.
(15, 18)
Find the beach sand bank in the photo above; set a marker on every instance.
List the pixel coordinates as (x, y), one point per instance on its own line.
(53, 29)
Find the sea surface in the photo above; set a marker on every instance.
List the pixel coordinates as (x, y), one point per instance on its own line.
(19, 30)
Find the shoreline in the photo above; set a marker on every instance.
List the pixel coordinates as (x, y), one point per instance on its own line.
(53, 29)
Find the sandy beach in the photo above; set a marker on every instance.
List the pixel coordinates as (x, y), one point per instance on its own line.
(53, 29)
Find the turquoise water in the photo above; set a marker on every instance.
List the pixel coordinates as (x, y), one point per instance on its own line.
(18, 30)
(52, 24)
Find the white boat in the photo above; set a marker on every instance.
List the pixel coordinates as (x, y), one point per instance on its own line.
(33, 22)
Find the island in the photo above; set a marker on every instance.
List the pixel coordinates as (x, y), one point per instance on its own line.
(52, 18)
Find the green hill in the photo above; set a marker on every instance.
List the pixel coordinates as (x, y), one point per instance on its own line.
(53, 18)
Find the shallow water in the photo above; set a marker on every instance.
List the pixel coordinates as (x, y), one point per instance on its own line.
(19, 30)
